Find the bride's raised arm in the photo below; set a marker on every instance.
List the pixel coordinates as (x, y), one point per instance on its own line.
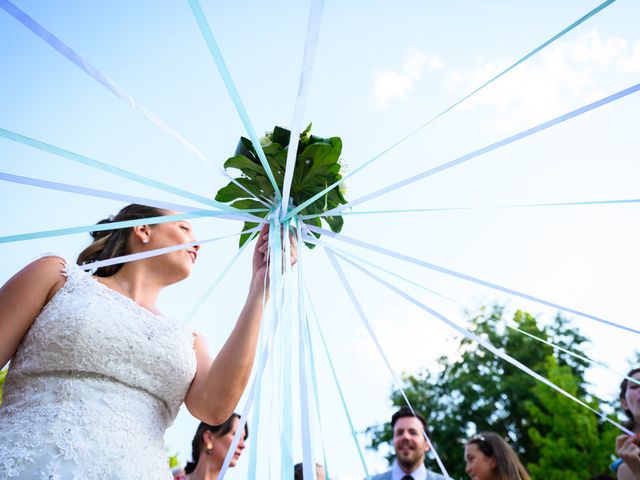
(219, 383)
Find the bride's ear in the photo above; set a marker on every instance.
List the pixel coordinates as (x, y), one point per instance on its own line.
(141, 234)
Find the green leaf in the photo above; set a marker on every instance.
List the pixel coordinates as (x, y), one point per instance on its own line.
(335, 198)
(245, 165)
(335, 223)
(265, 185)
(281, 136)
(230, 192)
(233, 192)
(305, 135)
(316, 223)
(245, 147)
(246, 236)
(324, 157)
(272, 149)
(248, 204)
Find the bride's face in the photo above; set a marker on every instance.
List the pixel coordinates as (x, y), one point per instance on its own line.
(175, 265)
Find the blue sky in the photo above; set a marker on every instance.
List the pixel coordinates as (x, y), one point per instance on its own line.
(380, 71)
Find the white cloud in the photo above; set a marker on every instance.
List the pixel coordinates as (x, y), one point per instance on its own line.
(561, 76)
(389, 84)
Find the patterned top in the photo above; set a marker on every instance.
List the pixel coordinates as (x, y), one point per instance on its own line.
(93, 386)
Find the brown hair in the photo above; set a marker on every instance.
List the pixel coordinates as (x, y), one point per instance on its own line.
(508, 465)
(407, 412)
(218, 431)
(114, 243)
(631, 423)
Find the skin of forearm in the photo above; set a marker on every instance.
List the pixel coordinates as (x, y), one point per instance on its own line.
(237, 356)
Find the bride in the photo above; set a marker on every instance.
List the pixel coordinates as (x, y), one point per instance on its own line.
(97, 374)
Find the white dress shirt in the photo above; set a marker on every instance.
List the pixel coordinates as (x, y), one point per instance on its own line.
(419, 473)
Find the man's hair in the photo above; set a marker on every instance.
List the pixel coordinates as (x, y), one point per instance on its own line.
(407, 412)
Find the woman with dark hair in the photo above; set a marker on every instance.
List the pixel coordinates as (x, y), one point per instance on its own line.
(489, 457)
(627, 446)
(210, 446)
(97, 373)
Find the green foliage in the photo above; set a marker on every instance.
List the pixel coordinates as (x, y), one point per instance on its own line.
(479, 392)
(3, 375)
(317, 166)
(575, 446)
(174, 461)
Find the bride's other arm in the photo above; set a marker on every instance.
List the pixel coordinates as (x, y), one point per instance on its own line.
(23, 297)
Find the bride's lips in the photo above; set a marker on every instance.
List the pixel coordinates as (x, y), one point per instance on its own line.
(193, 254)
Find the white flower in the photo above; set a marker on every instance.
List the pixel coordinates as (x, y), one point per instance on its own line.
(265, 141)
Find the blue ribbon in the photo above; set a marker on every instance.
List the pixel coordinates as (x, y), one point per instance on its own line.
(376, 342)
(467, 157)
(563, 32)
(263, 356)
(313, 28)
(528, 55)
(488, 346)
(219, 278)
(119, 92)
(205, 29)
(464, 276)
(304, 361)
(361, 260)
(354, 433)
(492, 147)
(120, 172)
(314, 384)
(65, 187)
(488, 207)
(103, 227)
(149, 253)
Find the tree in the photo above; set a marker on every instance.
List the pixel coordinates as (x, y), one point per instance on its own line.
(568, 451)
(480, 392)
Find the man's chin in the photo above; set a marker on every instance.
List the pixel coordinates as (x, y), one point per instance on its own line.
(408, 464)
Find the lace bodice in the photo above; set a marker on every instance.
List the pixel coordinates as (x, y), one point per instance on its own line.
(93, 386)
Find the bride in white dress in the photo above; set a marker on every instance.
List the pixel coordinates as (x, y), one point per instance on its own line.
(97, 374)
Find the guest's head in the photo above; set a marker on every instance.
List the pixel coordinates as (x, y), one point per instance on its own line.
(409, 440)
(211, 444)
(298, 473)
(170, 267)
(178, 473)
(489, 457)
(630, 399)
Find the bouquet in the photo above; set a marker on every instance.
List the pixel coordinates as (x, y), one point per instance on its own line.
(317, 166)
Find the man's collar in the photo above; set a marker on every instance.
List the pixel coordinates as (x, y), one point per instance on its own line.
(419, 473)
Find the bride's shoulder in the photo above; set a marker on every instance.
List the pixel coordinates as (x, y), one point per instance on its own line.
(47, 271)
(23, 297)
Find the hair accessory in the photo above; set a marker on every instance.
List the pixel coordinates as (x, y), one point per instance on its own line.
(110, 218)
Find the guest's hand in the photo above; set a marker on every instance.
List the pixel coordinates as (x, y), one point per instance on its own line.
(628, 448)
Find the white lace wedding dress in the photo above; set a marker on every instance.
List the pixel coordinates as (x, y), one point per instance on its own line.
(92, 388)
